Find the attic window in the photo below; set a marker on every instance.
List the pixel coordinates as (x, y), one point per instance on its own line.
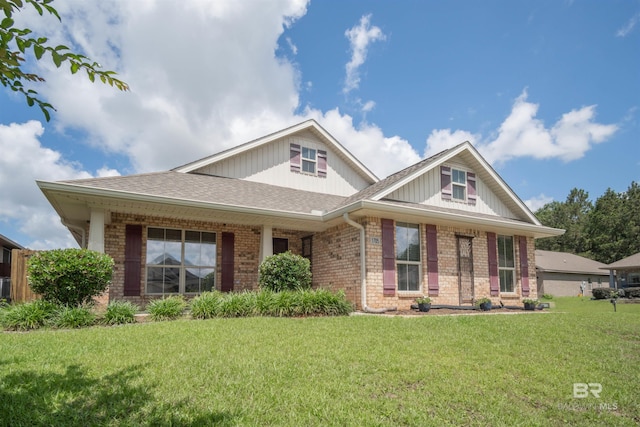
(308, 160)
(459, 181)
(457, 184)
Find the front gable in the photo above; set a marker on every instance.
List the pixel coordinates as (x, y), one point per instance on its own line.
(460, 180)
(304, 157)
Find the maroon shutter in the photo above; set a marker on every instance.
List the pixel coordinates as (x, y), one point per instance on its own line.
(471, 188)
(295, 157)
(445, 182)
(132, 260)
(388, 258)
(524, 266)
(322, 164)
(492, 249)
(228, 240)
(432, 260)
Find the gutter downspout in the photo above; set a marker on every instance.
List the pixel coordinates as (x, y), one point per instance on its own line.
(363, 268)
(80, 229)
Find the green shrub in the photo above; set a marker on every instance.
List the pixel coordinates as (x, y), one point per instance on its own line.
(167, 308)
(206, 305)
(266, 303)
(630, 292)
(69, 276)
(547, 296)
(327, 303)
(241, 304)
(30, 315)
(603, 293)
(120, 312)
(285, 271)
(73, 317)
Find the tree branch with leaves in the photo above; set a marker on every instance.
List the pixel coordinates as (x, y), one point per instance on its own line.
(15, 43)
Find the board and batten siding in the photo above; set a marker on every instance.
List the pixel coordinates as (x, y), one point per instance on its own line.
(425, 190)
(269, 164)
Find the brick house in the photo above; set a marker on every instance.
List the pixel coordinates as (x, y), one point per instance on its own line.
(448, 226)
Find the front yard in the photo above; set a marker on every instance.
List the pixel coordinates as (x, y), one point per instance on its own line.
(358, 370)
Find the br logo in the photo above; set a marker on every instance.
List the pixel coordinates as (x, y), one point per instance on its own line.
(582, 390)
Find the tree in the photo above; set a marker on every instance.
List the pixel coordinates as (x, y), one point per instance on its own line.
(572, 216)
(15, 43)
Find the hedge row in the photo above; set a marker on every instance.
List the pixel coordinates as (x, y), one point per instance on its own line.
(607, 293)
(40, 313)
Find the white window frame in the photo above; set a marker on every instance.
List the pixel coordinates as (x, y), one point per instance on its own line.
(401, 262)
(182, 266)
(308, 160)
(506, 269)
(455, 184)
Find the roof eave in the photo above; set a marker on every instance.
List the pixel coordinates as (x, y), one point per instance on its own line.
(533, 230)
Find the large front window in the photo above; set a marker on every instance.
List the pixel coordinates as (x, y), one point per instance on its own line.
(506, 263)
(408, 256)
(180, 261)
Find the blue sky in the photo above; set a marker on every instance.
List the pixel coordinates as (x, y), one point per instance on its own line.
(548, 91)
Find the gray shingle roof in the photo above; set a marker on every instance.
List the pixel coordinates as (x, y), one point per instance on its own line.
(567, 263)
(632, 261)
(391, 179)
(215, 189)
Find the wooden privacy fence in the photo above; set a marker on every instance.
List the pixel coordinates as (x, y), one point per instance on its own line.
(20, 289)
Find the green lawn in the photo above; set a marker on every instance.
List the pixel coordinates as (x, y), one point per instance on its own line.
(360, 370)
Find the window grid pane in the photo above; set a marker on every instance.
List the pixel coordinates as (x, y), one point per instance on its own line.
(171, 261)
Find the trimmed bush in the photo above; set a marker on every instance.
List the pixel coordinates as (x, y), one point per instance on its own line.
(30, 315)
(120, 312)
(285, 271)
(69, 276)
(631, 292)
(73, 317)
(167, 308)
(206, 305)
(603, 293)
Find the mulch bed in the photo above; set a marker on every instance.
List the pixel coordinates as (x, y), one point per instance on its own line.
(449, 311)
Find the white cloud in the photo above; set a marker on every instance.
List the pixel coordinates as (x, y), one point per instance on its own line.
(521, 134)
(23, 161)
(629, 26)
(537, 202)
(382, 155)
(442, 139)
(360, 36)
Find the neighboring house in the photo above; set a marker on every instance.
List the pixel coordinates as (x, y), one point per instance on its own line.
(6, 246)
(627, 271)
(448, 226)
(560, 274)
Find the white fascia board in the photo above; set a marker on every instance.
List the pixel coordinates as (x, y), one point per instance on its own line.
(188, 203)
(536, 231)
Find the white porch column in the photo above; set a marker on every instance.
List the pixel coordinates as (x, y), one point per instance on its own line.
(266, 242)
(96, 230)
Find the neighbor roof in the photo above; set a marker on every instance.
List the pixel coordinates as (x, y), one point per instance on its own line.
(632, 261)
(8, 243)
(564, 262)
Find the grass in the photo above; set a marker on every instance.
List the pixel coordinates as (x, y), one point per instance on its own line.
(360, 370)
